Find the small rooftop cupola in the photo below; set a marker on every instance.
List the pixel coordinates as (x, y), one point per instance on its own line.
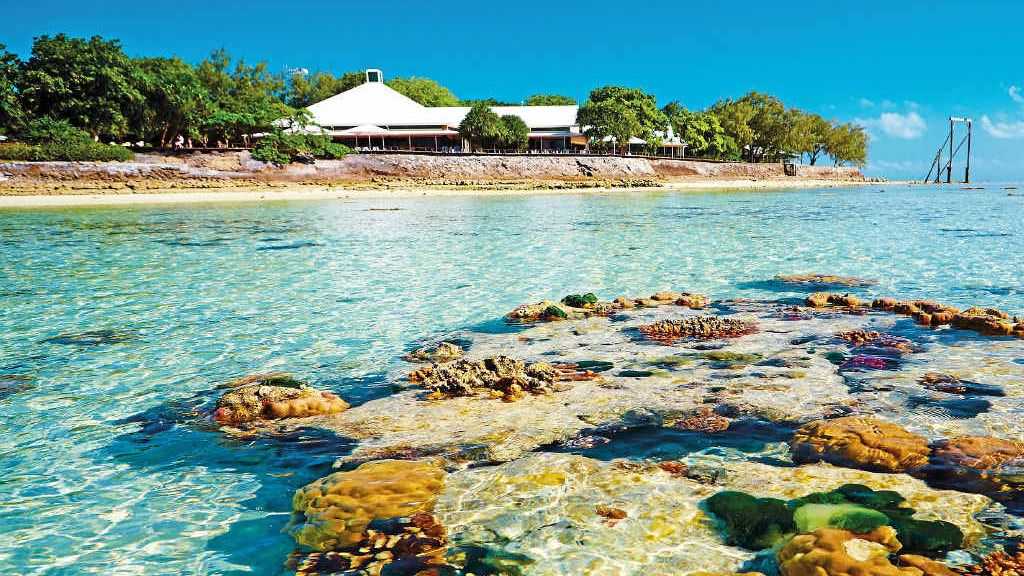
(375, 76)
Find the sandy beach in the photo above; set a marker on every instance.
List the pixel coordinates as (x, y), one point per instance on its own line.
(121, 196)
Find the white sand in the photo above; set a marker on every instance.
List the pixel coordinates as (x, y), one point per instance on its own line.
(305, 192)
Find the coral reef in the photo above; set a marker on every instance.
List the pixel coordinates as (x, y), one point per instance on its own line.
(860, 442)
(988, 321)
(998, 563)
(335, 511)
(698, 328)
(823, 299)
(821, 280)
(980, 463)
(705, 420)
(834, 552)
(440, 353)
(499, 376)
(750, 522)
(273, 396)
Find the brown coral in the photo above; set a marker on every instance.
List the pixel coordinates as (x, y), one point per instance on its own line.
(981, 463)
(273, 396)
(823, 299)
(997, 564)
(704, 421)
(698, 328)
(825, 280)
(832, 552)
(499, 376)
(337, 509)
(988, 321)
(860, 442)
(443, 352)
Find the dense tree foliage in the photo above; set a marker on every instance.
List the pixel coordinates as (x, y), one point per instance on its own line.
(68, 87)
(515, 134)
(11, 115)
(306, 89)
(481, 127)
(424, 90)
(90, 83)
(549, 100)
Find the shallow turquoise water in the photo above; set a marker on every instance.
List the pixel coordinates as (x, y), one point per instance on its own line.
(102, 472)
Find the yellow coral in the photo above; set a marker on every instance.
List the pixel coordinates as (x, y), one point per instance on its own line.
(831, 552)
(860, 442)
(339, 507)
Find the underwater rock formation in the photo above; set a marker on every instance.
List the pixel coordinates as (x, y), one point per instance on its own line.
(705, 420)
(335, 511)
(271, 397)
(998, 563)
(980, 463)
(823, 299)
(440, 353)
(988, 321)
(834, 552)
(698, 328)
(500, 376)
(860, 442)
(417, 542)
(822, 280)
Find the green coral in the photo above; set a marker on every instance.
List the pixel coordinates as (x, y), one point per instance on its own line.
(580, 300)
(756, 523)
(852, 517)
(725, 359)
(750, 522)
(554, 312)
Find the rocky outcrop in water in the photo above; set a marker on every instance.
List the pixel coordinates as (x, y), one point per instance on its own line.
(698, 328)
(335, 511)
(500, 376)
(273, 396)
(860, 442)
(825, 280)
(980, 463)
(439, 353)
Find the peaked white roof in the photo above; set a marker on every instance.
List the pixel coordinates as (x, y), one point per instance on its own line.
(371, 103)
(377, 104)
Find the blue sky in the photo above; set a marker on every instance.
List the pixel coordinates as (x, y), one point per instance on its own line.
(899, 67)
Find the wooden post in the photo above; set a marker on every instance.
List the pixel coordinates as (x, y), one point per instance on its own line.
(967, 168)
(949, 169)
(938, 165)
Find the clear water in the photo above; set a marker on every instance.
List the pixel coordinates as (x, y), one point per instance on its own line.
(102, 472)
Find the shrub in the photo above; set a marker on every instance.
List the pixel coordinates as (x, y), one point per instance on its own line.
(46, 130)
(69, 151)
(279, 147)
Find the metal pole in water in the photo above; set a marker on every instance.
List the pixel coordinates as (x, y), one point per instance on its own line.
(967, 168)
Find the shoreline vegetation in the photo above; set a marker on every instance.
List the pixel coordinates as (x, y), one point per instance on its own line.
(80, 99)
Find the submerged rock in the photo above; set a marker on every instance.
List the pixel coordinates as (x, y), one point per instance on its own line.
(823, 299)
(860, 442)
(335, 511)
(988, 321)
(704, 421)
(821, 280)
(440, 353)
(980, 463)
(698, 328)
(833, 552)
(271, 397)
(499, 376)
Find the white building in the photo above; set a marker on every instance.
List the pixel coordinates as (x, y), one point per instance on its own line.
(376, 116)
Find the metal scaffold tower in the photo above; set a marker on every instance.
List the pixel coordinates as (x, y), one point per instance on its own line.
(938, 166)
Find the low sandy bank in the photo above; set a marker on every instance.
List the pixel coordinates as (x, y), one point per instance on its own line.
(293, 192)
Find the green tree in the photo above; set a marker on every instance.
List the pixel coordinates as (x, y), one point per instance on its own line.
(734, 116)
(847, 144)
(701, 131)
(481, 127)
(621, 113)
(515, 134)
(90, 83)
(487, 101)
(424, 90)
(306, 89)
(245, 98)
(11, 114)
(808, 134)
(550, 100)
(176, 102)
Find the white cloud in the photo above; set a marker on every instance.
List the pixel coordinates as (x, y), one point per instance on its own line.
(1002, 130)
(903, 126)
(1015, 95)
(865, 103)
